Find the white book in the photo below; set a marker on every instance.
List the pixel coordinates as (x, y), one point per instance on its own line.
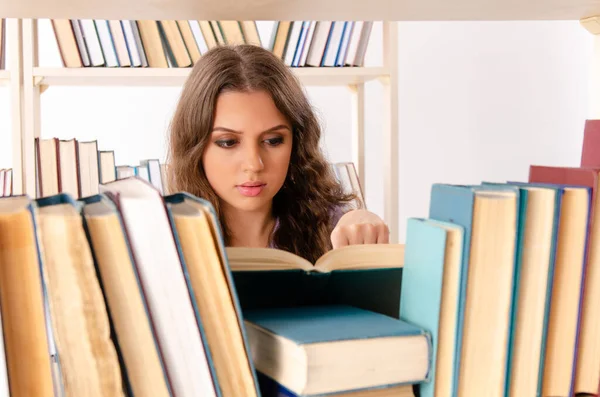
(333, 43)
(134, 54)
(83, 52)
(199, 37)
(92, 42)
(318, 43)
(292, 44)
(307, 43)
(106, 42)
(341, 58)
(359, 41)
(157, 260)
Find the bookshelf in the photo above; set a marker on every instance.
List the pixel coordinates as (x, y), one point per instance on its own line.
(38, 79)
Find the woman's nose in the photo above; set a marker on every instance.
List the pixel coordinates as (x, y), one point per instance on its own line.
(253, 161)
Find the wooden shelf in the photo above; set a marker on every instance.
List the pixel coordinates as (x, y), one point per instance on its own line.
(177, 76)
(381, 10)
(4, 77)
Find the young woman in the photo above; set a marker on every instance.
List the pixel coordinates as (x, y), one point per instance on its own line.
(245, 137)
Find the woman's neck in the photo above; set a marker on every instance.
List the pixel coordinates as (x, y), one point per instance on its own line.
(249, 229)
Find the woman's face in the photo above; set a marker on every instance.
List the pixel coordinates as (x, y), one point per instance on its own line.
(247, 157)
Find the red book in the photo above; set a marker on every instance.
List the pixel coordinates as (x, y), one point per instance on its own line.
(590, 151)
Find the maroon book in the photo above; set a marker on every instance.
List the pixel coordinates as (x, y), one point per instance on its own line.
(590, 151)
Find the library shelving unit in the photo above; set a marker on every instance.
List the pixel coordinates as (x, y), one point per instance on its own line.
(35, 79)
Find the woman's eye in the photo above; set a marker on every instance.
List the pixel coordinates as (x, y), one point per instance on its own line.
(226, 143)
(274, 141)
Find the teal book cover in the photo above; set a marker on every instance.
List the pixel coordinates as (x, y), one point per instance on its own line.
(311, 331)
(422, 288)
(330, 323)
(455, 204)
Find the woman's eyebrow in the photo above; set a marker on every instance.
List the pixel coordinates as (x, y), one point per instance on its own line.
(276, 128)
(225, 129)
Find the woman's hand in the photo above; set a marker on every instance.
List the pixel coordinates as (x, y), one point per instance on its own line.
(359, 227)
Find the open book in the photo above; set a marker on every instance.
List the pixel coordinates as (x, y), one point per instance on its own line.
(367, 276)
(351, 257)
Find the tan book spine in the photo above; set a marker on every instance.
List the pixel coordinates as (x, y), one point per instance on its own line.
(190, 42)
(23, 319)
(152, 43)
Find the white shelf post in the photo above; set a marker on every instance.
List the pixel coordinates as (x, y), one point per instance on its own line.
(358, 131)
(31, 105)
(14, 42)
(390, 131)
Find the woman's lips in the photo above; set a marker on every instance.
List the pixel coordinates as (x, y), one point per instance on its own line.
(251, 189)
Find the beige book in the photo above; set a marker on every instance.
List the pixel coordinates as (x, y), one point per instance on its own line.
(208, 34)
(125, 301)
(355, 257)
(250, 32)
(88, 359)
(65, 38)
(206, 268)
(190, 41)
(566, 291)
(23, 322)
(116, 30)
(532, 291)
(153, 47)
(232, 32)
(89, 177)
(488, 296)
(68, 167)
(174, 41)
(47, 172)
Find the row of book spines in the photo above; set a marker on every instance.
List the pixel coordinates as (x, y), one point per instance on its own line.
(78, 168)
(169, 43)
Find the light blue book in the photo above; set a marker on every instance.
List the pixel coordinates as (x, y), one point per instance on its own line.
(487, 282)
(430, 294)
(327, 349)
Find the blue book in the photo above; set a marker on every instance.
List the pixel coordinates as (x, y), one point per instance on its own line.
(430, 294)
(319, 350)
(489, 216)
(534, 274)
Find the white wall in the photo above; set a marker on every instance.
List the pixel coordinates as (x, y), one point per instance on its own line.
(477, 101)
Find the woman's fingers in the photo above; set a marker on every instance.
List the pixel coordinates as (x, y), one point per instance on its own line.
(359, 233)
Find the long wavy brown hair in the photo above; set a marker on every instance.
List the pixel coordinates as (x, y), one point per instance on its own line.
(311, 192)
